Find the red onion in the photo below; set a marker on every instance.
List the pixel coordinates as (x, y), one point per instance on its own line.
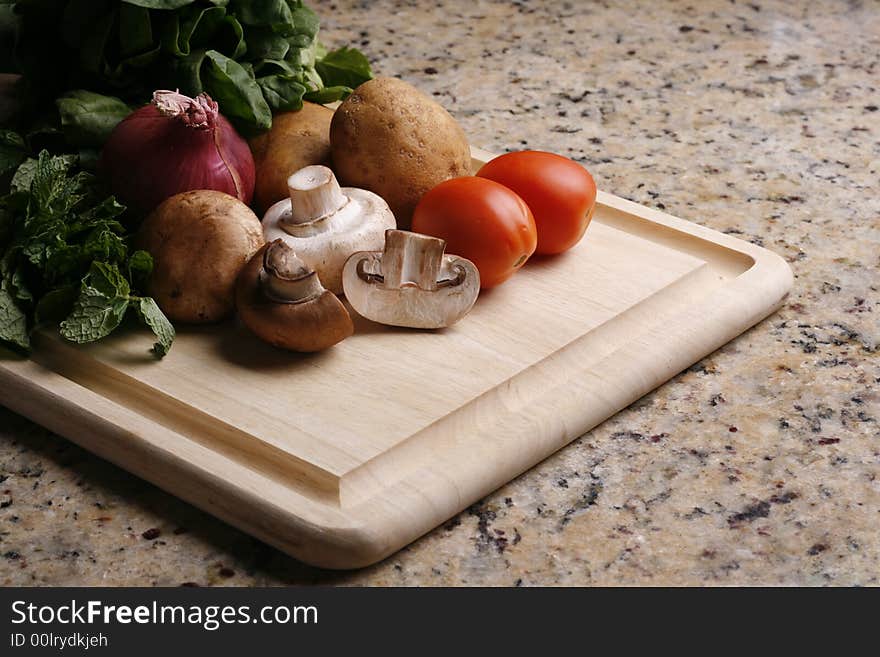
(176, 144)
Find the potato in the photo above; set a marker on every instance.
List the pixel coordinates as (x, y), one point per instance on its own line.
(296, 140)
(393, 140)
(199, 241)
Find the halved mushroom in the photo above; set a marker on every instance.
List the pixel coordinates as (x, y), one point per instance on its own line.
(282, 301)
(325, 223)
(411, 283)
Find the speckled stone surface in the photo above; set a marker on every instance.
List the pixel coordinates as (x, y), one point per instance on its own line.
(759, 465)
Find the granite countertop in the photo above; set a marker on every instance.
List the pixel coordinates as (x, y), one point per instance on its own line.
(758, 465)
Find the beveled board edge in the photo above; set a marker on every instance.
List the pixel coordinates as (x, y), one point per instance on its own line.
(553, 406)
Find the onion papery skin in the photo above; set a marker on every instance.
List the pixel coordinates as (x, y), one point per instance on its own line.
(152, 155)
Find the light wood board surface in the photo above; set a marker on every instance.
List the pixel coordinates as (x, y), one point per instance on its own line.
(341, 458)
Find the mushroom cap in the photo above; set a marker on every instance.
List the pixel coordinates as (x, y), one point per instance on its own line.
(308, 326)
(199, 241)
(359, 226)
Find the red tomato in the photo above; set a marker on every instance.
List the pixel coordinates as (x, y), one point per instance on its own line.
(482, 221)
(560, 193)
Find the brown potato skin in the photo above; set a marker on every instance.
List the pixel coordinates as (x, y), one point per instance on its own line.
(307, 327)
(199, 241)
(390, 138)
(296, 140)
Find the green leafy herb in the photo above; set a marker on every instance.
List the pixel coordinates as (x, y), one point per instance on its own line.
(252, 56)
(345, 67)
(152, 316)
(13, 322)
(87, 118)
(282, 92)
(236, 91)
(12, 151)
(55, 305)
(95, 315)
(66, 259)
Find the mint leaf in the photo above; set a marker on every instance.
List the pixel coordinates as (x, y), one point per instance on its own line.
(12, 151)
(94, 316)
(140, 266)
(7, 225)
(104, 244)
(108, 280)
(19, 286)
(64, 257)
(13, 323)
(151, 315)
(55, 305)
(53, 191)
(24, 176)
(101, 214)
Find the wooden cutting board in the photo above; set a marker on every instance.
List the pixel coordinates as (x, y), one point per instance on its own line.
(341, 458)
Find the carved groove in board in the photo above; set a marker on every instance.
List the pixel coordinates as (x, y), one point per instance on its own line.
(513, 396)
(185, 420)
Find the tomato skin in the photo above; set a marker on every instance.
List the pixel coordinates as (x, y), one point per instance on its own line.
(481, 220)
(560, 193)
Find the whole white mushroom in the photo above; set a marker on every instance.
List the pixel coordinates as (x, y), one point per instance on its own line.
(325, 223)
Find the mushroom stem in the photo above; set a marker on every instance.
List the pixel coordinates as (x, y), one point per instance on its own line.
(314, 193)
(411, 259)
(285, 278)
(411, 283)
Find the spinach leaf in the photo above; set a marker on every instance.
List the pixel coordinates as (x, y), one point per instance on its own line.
(303, 27)
(160, 4)
(327, 95)
(78, 17)
(88, 118)
(236, 91)
(345, 67)
(129, 48)
(282, 92)
(135, 30)
(190, 27)
(263, 12)
(187, 73)
(236, 32)
(91, 52)
(263, 43)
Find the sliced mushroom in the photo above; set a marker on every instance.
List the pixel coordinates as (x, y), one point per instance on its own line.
(282, 301)
(411, 283)
(325, 223)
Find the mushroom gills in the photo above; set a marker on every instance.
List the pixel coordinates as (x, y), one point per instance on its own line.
(285, 278)
(281, 300)
(412, 283)
(325, 223)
